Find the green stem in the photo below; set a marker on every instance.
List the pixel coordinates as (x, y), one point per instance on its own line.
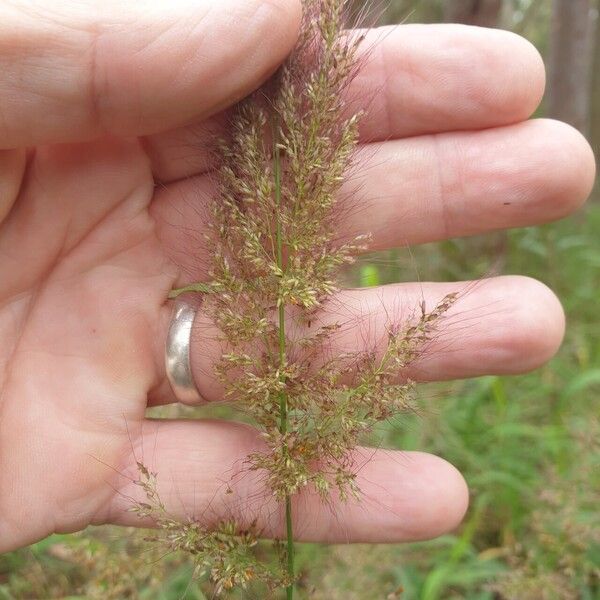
(283, 399)
(199, 288)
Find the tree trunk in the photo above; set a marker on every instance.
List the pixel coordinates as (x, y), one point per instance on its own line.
(485, 13)
(595, 108)
(570, 63)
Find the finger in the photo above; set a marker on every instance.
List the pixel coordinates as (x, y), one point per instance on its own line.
(12, 169)
(421, 189)
(405, 495)
(432, 78)
(415, 79)
(83, 70)
(504, 325)
(500, 326)
(460, 184)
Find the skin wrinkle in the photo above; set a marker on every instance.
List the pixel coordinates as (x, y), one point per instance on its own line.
(13, 165)
(440, 196)
(33, 294)
(102, 107)
(50, 264)
(45, 13)
(524, 92)
(262, 17)
(195, 49)
(32, 304)
(245, 58)
(5, 384)
(65, 417)
(387, 104)
(108, 216)
(25, 53)
(452, 191)
(73, 517)
(128, 471)
(250, 54)
(96, 91)
(3, 127)
(16, 316)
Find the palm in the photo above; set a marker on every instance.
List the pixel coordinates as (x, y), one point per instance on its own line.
(84, 320)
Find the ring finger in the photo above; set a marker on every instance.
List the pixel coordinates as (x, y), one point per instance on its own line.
(504, 325)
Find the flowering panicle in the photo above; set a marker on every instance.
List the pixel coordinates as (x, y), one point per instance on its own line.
(225, 554)
(277, 255)
(278, 249)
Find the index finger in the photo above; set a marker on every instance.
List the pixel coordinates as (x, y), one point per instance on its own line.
(413, 80)
(81, 70)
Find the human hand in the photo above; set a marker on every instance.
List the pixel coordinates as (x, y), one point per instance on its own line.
(98, 103)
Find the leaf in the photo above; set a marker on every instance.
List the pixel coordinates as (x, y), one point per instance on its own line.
(581, 382)
(369, 276)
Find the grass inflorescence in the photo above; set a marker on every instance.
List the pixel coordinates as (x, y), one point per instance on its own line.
(278, 253)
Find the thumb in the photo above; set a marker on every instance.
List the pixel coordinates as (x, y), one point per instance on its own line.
(82, 70)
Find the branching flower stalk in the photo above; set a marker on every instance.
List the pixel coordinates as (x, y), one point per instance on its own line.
(277, 256)
(283, 400)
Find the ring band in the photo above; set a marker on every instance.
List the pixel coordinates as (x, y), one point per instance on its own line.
(177, 354)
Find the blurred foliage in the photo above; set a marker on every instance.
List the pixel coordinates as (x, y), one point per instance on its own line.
(529, 447)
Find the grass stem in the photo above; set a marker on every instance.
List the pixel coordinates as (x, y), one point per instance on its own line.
(283, 400)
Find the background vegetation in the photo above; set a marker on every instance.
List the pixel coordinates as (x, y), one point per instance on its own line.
(529, 446)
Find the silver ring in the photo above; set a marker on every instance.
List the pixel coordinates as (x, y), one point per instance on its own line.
(177, 354)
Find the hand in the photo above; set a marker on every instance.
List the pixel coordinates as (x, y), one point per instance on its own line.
(98, 102)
